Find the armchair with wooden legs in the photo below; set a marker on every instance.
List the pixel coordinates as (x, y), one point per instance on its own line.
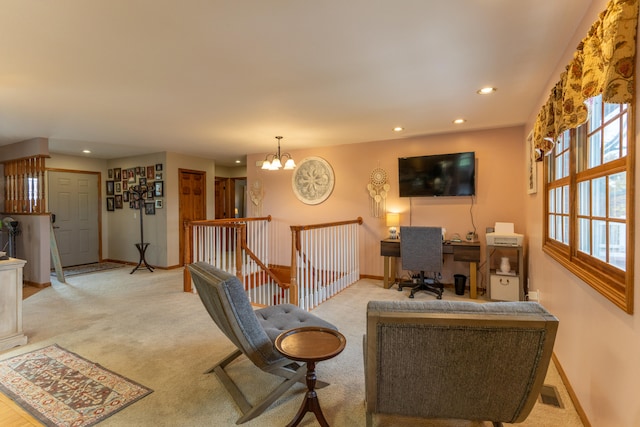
(253, 332)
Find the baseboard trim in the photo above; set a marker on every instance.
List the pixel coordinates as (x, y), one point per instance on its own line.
(572, 393)
(35, 284)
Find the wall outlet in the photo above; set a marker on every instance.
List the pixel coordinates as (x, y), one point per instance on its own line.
(533, 296)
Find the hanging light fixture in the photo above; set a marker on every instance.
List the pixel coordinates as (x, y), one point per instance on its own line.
(276, 160)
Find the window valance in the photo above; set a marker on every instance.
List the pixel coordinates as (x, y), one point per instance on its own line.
(604, 63)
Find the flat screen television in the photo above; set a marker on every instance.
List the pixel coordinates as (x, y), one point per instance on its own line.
(437, 175)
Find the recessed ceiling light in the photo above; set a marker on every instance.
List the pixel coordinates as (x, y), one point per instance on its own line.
(237, 161)
(459, 121)
(486, 90)
(398, 129)
(86, 151)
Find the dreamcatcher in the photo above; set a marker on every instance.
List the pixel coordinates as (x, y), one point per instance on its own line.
(378, 190)
(255, 194)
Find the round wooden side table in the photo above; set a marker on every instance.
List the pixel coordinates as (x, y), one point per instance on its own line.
(310, 344)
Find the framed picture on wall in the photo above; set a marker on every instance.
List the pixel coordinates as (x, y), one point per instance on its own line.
(110, 188)
(110, 204)
(117, 174)
(159, 188)
(149, 172)
(118, 201)
(158, 203)
(150, 208)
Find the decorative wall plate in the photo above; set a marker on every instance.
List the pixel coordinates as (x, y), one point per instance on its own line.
(313, 180)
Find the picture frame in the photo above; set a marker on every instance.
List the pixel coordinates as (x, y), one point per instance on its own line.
(158, 176)
(158, 203)
(159, 188)
(110, 204)
(125, 196)
(532, 167)
(118, 201)
(131, 176)
(117, 174)
(150, 208)
(110, 173)
(149, 172)
(110, 188)
(158, 166)
(118, 188)
(142, 181)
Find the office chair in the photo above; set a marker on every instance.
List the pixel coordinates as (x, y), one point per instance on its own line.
(421, 250)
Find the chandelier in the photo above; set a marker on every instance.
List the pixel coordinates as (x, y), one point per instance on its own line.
(276, 160)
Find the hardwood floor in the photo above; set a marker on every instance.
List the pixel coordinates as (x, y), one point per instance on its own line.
(28, 290)
(12, 415)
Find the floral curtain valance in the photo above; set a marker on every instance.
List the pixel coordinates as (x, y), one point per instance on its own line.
(604, 63)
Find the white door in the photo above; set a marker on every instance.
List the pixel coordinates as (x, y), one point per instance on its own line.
(73, 199)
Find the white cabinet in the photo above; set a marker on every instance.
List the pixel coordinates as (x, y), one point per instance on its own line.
(11, 304)
(505, 283)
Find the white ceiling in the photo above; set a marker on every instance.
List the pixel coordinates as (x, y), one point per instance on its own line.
(221, 78)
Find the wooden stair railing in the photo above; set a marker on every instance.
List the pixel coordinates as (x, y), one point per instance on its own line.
(297, 252)
(240, 233)
(324, 265)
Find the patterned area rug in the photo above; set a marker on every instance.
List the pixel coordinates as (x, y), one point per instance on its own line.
(88, 268)
(60, 388)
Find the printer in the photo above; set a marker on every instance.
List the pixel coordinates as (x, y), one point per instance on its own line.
(503, 235)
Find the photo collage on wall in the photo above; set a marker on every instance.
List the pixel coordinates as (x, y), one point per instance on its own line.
(141, 187)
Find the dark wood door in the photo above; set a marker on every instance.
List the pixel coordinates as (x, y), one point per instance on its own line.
(193, 200)
(225, 196)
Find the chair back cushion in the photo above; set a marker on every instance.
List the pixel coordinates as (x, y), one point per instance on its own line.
(421, 248)
(224, 297)
(457, 359)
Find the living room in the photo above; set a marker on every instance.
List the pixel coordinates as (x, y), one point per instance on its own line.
(598, 343)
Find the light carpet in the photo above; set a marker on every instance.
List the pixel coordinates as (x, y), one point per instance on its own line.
(62, 389)
(144, 327)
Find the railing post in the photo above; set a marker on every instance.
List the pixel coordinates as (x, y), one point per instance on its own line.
(241, 239)
(293, 281)
(187, 255)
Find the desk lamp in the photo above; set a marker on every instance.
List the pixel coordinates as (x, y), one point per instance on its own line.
(393, 220)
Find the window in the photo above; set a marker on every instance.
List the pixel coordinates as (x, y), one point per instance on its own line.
(589, 219)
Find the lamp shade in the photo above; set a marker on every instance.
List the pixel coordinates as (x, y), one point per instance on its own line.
(393, 219)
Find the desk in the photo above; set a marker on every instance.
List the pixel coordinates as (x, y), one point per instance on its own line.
(461, 251)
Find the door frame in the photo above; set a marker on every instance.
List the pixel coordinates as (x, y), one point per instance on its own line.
(181, 241)
(99, 174)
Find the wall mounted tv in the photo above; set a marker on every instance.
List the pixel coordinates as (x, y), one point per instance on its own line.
(437, 175)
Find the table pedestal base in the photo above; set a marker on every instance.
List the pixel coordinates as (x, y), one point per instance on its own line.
(310, 403)
(142, 247)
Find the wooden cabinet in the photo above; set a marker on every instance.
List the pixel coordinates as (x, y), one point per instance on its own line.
(11, 304)
(505, 284)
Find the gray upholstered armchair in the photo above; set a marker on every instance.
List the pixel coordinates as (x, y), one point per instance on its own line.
(456, 359)
(253, 332)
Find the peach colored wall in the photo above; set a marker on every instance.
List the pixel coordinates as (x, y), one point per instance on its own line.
(598, 344)
(500, 190)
